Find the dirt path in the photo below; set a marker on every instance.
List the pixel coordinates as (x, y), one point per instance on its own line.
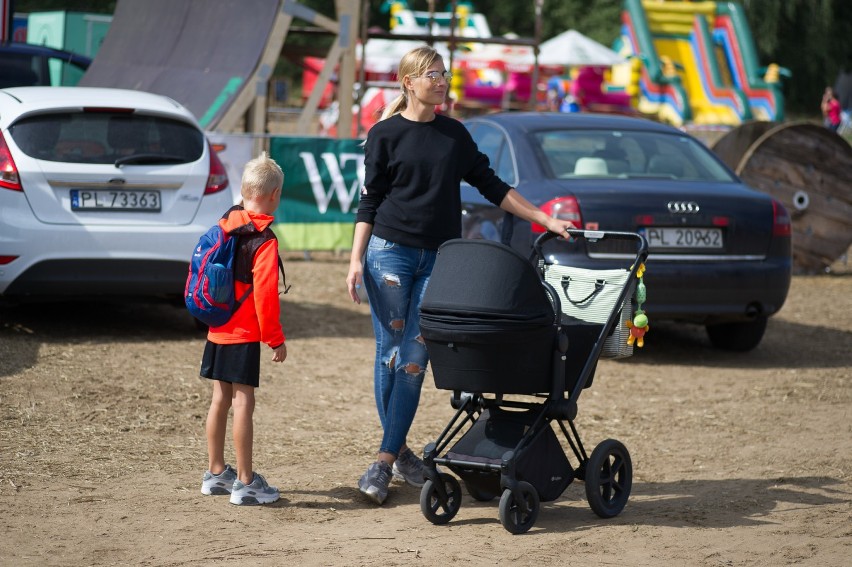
(739, 459)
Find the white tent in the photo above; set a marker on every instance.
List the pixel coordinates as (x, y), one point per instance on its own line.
(571, 48)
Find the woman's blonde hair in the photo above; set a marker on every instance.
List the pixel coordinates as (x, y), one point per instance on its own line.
(415, 62)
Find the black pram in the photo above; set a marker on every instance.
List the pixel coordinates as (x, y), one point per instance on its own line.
(494, 323)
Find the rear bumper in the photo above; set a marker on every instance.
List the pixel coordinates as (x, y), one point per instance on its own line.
(105, 277)
(94, 260)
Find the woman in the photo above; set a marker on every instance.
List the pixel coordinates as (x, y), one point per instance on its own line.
(410, 204)
(831, 110)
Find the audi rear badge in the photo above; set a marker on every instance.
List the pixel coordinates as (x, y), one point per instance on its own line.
(680, 207)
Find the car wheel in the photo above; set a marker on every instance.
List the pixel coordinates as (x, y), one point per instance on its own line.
(740, 336)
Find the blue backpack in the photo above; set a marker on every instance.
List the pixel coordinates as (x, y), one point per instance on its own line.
(209, 294)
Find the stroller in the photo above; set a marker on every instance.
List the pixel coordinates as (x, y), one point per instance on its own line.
(496, 324)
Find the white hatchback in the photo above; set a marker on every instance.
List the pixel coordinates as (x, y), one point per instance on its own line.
(103, 192)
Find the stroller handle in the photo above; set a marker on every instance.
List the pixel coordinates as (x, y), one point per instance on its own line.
(593, 236)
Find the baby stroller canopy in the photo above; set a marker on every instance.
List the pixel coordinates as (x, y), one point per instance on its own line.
(486, 307)
(479, 280)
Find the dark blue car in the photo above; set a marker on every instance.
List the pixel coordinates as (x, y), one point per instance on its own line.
(720, 251)
(27, 65)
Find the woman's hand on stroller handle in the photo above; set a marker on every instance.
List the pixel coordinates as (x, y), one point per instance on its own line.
(594, 236)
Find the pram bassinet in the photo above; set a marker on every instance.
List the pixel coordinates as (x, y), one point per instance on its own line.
(487, 320)
(494, 325)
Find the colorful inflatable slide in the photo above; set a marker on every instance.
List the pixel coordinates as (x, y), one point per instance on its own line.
(699, 63)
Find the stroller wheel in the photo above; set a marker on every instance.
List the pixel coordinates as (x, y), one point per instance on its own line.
(609, 477)
(519, 516)
(437, 508)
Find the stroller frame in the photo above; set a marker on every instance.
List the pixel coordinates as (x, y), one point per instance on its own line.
(521, 483)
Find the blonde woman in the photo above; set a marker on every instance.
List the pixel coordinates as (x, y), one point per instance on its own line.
(410, 204)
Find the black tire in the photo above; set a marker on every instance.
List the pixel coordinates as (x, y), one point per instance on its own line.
(741, 336)
(512, 515)
(435, 509)
(479, 494)
(609, 478)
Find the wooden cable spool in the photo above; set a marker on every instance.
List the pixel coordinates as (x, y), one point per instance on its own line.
(807, 168)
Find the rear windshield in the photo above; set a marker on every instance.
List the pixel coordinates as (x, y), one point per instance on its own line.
(107, 137)
(628, 154)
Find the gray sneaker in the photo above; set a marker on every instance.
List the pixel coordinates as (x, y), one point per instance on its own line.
(218, 484)
(410, 468)
(256, 492)
(374, 483)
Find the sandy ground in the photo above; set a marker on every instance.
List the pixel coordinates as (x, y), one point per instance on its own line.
(739, 459)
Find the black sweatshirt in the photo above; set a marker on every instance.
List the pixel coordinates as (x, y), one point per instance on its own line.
(411, 192)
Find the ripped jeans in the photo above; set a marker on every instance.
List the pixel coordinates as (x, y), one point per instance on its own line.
(395, 278)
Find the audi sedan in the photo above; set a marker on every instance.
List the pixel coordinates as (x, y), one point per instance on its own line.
(720, 251)
(103, 192)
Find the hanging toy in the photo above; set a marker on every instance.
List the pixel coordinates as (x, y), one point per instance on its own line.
(639, 325)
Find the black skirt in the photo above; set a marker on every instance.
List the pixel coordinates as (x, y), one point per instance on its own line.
(237, 364)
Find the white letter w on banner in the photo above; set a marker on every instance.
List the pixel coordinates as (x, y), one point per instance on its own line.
(338, 185)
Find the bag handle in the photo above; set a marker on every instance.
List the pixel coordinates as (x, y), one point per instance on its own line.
(599, 285)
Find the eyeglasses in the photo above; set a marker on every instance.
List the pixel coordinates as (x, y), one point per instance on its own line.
(435, 75)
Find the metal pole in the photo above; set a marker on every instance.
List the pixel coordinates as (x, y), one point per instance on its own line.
(452, 43)
(362, 73)
(431, 20)
(534, 90)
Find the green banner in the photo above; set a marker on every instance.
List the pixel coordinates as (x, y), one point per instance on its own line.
(322, 182)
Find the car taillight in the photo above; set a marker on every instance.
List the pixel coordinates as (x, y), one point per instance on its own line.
(563, 208)
(6, 260)
(9, 178)
(217, 180)
(781, 225)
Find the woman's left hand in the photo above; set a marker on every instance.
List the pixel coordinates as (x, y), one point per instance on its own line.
(559, 226)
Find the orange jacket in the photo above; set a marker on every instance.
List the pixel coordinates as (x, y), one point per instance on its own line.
(259, 316)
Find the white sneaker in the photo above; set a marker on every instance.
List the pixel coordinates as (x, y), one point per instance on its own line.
(218, 484)
(256, 492)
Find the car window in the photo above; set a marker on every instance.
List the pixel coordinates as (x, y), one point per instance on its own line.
(34, 70)
(104, 137)
(492, 142)
(23, 70)
(608, 153)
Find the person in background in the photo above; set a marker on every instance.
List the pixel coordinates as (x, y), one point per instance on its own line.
(830, 109)
(410, 204)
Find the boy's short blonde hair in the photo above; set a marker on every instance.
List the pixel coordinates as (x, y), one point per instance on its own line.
(261, 176)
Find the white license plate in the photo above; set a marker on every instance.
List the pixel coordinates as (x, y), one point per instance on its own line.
(115, 200)
(669, 238)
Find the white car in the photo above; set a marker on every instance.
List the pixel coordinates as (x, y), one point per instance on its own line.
(103, 192)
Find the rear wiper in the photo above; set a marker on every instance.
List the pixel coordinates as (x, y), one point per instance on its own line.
(148, 158)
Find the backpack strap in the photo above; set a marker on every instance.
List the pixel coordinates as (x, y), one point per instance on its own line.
(283, 275)
(248, 246)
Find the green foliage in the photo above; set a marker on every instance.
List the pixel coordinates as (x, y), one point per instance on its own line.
(812, 38)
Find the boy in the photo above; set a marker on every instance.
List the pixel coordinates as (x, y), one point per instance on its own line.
(232, 353)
